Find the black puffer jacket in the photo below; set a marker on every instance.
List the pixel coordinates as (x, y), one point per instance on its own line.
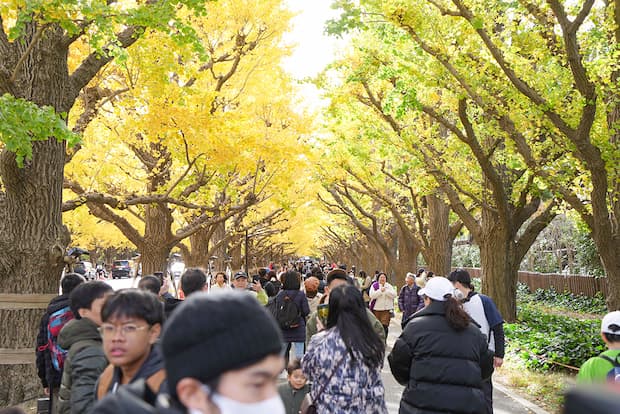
(440, 366)
(47, 373)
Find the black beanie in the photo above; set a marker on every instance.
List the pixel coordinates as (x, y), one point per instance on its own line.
(209, 334)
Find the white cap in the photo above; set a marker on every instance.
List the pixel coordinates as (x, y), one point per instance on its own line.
(437, 288)
(611, 323)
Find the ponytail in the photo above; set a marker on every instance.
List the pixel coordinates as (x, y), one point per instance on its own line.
(457, 318)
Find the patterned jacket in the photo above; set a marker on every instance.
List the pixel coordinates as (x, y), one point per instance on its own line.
(353, 387)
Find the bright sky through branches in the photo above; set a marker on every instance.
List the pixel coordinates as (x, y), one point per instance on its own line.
(313, 48)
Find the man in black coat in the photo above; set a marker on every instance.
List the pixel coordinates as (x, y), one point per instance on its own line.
(50, 377)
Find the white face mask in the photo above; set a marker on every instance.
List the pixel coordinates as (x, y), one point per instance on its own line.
(458, 295)
(226, 405)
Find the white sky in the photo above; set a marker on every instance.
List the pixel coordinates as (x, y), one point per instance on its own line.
(314, 49)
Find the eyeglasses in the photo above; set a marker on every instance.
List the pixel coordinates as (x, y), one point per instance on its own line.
(109, 330)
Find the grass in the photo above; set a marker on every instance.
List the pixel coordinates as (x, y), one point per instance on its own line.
(544, 389)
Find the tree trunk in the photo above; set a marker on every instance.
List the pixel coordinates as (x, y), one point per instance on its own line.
(407, 258)
(609, 250)
(498, 257)
(158, 239)
(32, 236)
(198, 254)
(438, 255)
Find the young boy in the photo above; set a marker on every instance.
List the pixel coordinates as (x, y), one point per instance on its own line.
(131, 324)
(85, 360)
(294, 391)
(599, 368)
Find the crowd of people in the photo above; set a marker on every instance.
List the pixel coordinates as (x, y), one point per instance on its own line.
(228, 344)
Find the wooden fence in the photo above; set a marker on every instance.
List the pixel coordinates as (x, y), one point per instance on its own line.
(576, 284)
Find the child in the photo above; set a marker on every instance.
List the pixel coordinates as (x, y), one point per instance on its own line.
(85, 360)
(600, 368)
(131, 324)
(294, 391)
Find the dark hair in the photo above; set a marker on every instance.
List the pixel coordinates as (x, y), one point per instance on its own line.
(133, 303)
(457, 318)
(429, 275)
(223, 274)
(262, 272)
(272, 273)
(271, 289)
(612, 337)
(85, 294)
(150, 283)
(293, 365)
(420, 271)
(70, 282)
(363, 274)
(348, 312)
(291, 280)
(461, 276)
(193, 280)
(337, 274)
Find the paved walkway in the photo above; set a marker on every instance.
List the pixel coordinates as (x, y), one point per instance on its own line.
(505, 401)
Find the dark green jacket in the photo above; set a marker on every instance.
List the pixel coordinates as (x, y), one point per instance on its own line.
(83, 365)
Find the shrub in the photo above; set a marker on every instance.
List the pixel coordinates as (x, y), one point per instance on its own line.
(547, 341)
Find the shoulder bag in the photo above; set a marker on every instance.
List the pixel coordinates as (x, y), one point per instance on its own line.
(307, 404)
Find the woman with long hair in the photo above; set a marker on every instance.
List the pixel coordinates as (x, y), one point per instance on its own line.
(441, 356)
(344, 360)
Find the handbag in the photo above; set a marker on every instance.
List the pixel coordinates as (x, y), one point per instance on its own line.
(307, 404)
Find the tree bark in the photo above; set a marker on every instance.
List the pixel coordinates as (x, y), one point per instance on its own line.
(500, 266)
(438, 255)
(32, 236)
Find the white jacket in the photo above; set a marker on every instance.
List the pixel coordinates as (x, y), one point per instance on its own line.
(385, 299)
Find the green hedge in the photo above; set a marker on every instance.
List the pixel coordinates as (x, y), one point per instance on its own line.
(563, 301)
(548, 341)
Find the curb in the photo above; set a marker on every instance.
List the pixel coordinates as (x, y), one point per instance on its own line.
(525, 403)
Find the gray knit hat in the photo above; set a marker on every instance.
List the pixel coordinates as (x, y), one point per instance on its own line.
(209, 334)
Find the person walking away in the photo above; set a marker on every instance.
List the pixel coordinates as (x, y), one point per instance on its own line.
(131, 324)
(311, 285)
(292, 310)
(85, 358)
(383, 294)
(606, 366)
(295, 389)
(409, 302)
(441, 356)
(49, 357)
(344, 359)
(483, 311)
(365, 283)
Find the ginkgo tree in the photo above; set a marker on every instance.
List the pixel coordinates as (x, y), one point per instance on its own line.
(36, 44)
(491, 191)
(196, 134)
(547, 74)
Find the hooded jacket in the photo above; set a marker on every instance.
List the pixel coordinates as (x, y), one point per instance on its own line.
(46, 372)
(442, 368)
(83, 365)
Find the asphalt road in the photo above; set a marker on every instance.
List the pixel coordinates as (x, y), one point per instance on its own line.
(504, 400)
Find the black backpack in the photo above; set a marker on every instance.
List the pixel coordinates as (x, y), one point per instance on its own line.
(285, 311)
